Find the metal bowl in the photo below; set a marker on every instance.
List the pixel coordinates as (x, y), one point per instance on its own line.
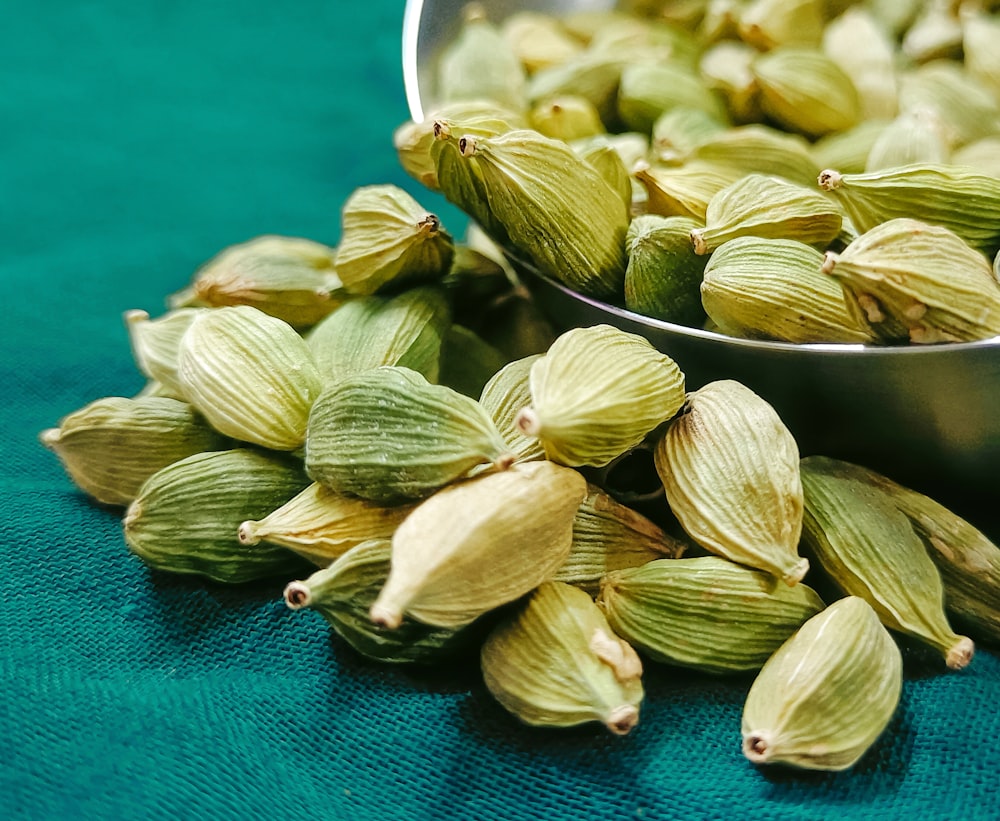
(927, 416)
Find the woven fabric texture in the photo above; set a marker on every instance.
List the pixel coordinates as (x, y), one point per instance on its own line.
(137, 140)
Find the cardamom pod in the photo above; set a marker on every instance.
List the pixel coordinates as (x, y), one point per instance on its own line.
(507, 392)
(591, 74)
(678, 131)
(725, 69)
(646, 90)
(914, 137)
(600, 153)
(757, 149)
(848, 150)
(730, 469)
(556, 663)
(869, 549)
(866, 52)
(767, 24)
(476, 545)
(684, 191)
(186, 517)
(566, 117)
(539, 40)
(468, 361)
(156, 344)
(707, 613)
(966, 109)
(827, 694)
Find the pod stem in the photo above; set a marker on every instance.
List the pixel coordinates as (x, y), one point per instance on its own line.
(297, 595)
(757, 748)
(50, 437)
(830, 180)
(797, 573)
(505, 461)
(960, 653)
(622, 719)
(527, 422)
(698, 241)
(247, 533)
(385, 616)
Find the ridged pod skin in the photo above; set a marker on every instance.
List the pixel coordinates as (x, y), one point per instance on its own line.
(679, 131)
(556, 663)
(321, 525)
(910, 279)
(757, 149)
(111, 446)
(476, 545)
(185, 518)
(730, 469)
(776, 289)
(592, 74)
(600, 153)
(969, 563)
(664, 274)
(156, 344)
(806, 91)
(648, 89)
(684, 191)
(344, 592)
(503, 397)
(725, 68)
(966, 108)
(848, 150)
(552, 206)
(406, 330)
(250, 375)
(707, 613)
(982, 155)
(389, 435)
(597, 393)
(289, 278)
(826, 695)
(963, 200)
(388, 241)
(608, 536)
(912, 138)
(868, 547)
(765, 206)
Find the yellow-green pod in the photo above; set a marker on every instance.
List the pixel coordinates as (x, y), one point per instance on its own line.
(706, 613)
(406, 330)
(649, 89)
(980, 35)
(556, 663)
(767, 24)
(594, 75)
(962, 200)
(389, 435)
(913, 137)
(507, 392)
(290, 278)
(966, 109)
(646, 40)
(869, 549)
(982, 155)
(848, 150)
(539, 40)
(601, 154)
(156, 344)
(250, 375)
(866, 52)
(566, 117)
(730, 469)
(321, 525)
(476, 545)
(827, 694)
(112, 445)
(758, 149)
(664, 273)
(678, 131)
(343, 593)
(187, 515)
(935, 34)
(725, 68)
(769, 207)
(468, 361)
(684, 191)
(597, 393)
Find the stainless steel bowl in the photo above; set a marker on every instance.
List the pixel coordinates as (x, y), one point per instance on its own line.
(927, 416)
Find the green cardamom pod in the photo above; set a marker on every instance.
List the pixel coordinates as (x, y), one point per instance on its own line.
(591, 74)
(476, 545)
(647, 90)
(725, 69)
(757, 149)
(966, 109)
(707, 613)
(866, 52)
(539, 40)
(678, 131)
(982, 155)
(112, 445)
(600, 153)
(827, 694)
(321, 525)
(980, 34)
(156, 344)
(730, 469)
(869, 549)
(343, 593)
(914, 137)
(507, 392)
(186, 517)
(566, 117)
(389, 435)
(468, 361)
(935, 34)
(776, 289)
(767, 24)
(556, 663)
(597, 393)
(684, 191)
(848, 150)
(250, 375)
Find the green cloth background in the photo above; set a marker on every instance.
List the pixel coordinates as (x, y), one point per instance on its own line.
(136, 140)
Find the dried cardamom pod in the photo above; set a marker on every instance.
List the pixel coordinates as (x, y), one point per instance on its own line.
(646, 41)
(250, 375)
(389, 241)
(966, 109)
(707, 613)
(594, 75)
(982, 155)
(111, 446)
(730, 468)
(321, 525)
(908, 277)
(556, 663)
(775, 289)
(185, 518)
(597, 393)
(805, 91)
(343, 593)
(865, 51)
(761, 150)
(503, 397)
(290, 278)
(664, 274)
(848, 150)
(607, 537)
(480, 64)
(767, 24)
(678, 131)
(648, 89)
(935, 34)
(725, 69)
(406, 330)
(476, 545)
(827, 694)
(539, 40)
(960, 199)
(768, 207)
(600, 153)
(980, 34)
(684, 191)
(156, 344)
(388, 435)
(554, 208)
(468, 362)
(869, 549)
(969, 563)
(566, 117)
(914, 137)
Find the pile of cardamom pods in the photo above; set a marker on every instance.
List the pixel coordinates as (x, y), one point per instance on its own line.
(392, 429)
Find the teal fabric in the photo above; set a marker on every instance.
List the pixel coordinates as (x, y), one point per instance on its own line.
(137, 139)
